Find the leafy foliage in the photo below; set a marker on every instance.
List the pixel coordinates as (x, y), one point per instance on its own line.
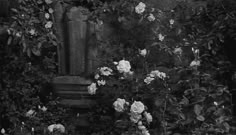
(185, 44)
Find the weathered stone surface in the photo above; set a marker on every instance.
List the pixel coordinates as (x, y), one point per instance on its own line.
(82, 103)
(60, 33)
(71, 80)
(73, 91)
(76, 33)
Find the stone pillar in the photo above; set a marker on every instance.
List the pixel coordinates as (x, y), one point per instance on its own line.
(76, 35)
(60, 33)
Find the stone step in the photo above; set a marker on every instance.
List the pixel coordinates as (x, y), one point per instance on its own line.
(79, 103)
(74, 95)
(71, 80)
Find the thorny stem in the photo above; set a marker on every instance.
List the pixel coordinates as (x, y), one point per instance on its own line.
(163, 115)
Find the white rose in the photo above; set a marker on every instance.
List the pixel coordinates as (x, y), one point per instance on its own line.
(18, 34)
(3, 131)
(32, 32)
(161, 37)
(137, 107)
(135, 117)
(195, 63)
(51, 127)
(178, 51)
(50, 10)
(123, 66)
(48, 24)
(92, 88)
(44, 109)
(47, 16)
(119, 105)
(30, 113)
(143, 52)
(140, 123)
(48, 1)
(145, 132)
(96, 76)
(60, 127)
(106, 71)
(172, 21)
(140, 8)
(101, 82)
(142, 127)
(148, 117)
(158, 74)
(151, 17)
(148, 80)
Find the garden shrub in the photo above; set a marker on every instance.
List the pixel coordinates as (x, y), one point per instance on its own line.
(162, 71)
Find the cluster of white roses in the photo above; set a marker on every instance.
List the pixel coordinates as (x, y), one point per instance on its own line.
(103, 71)
(49, 24)
(154, 74)
(32, 112)
(122, 66)
(140, 8)
(57, 127)
(137, 113)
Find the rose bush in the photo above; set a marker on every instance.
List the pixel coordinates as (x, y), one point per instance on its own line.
(172, 73)
(163, 70)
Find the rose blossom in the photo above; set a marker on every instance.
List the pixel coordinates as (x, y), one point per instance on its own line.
(50, 10)
(137, 107)
(48, 24)
(51, 127)
(32, 32)
(148, 117)
(96, 76)
(44, 109)
(60, 127)
(47, 16)
(30, 113)
(119, 104)
(106, 71)
(195, 63)
(161, 37)
(123, 66)
(143, 52)
(148, 80)
(145, 132)
(172, 21)
(3, 131)
(142, 127)
(140, 8)
(178, 51)
(92, 88)
(101, 82)
(134, 117)
(151, 17)
(48, 1)
(158, 74)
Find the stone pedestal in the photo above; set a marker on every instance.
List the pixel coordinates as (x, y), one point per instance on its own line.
(72, 91)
